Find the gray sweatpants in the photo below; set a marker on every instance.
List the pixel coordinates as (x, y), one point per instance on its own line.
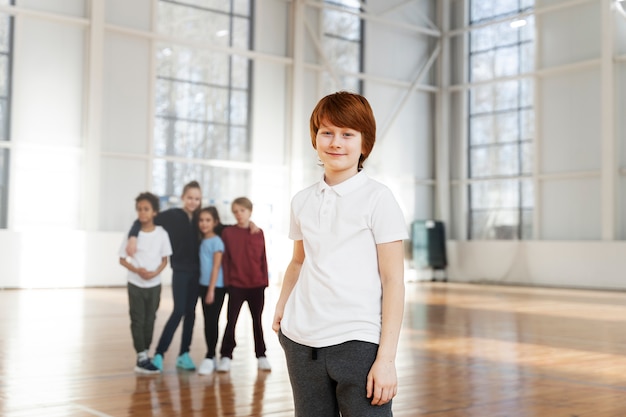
(331, 381)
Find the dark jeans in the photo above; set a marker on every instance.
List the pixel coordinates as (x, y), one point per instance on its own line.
(143, 304)
(329, 380)
(185, 291)
(211, 318)
(256, 300)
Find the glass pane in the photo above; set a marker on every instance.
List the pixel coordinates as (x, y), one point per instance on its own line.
(494, 128)
(493, 36)
(527, 57)
(4, 75)
(4, 186)
(495, 194)
(218, 5)
(527, 87)
(343, 54)
(192, 64)
(481, 66)
(481, 130)
(194, 23)
(527, 158)
(488, 161)
(528, 196)
(242, 7)
(241, 33)
(238, 145)
(4, 120)
(485, 9)
(342, 25)
(240, 69)
(239, 108)
(527, 124)
(527, 32)
(506, 62)
(481, 99)
(5, 37)
(506, 95)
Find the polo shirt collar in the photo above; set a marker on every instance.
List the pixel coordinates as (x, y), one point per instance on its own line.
(351, 184)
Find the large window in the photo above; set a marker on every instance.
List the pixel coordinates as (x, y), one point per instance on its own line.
(6, 48)
(343, 45)
(203, 97)
(501, 121)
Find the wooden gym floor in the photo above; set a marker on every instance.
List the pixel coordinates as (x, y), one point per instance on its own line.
(466, 350)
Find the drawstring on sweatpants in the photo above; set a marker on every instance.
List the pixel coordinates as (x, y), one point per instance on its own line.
(314, 354)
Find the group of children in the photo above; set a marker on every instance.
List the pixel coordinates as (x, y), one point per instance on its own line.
(208, 261)
(339, 313)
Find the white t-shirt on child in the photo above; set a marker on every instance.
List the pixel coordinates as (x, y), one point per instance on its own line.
(151, 248)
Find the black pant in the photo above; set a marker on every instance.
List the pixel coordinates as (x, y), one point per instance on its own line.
(185, 291)
(211, 318)
(256, 300)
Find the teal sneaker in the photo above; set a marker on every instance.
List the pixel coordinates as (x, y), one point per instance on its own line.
(157, 361)
(184, 362)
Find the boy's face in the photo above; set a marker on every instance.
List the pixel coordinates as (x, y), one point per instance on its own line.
(241, 213)
(339, 148)
(145, 212)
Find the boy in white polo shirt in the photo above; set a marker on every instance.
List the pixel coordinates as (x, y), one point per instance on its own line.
(340, 309)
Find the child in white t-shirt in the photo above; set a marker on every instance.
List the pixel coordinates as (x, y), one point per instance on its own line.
(340, 308)
(144, 279)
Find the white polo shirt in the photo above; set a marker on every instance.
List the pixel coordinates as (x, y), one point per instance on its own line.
(337, 297)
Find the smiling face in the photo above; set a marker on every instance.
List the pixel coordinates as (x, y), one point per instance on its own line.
(339, 149)
(349, 113)
(192, 199)
(206, 223)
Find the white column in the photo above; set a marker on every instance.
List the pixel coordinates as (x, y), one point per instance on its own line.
(442, 109)
(609, 157)
(93, 120)
(296, 117)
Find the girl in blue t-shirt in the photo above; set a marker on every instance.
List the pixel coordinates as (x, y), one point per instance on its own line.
(212, 290)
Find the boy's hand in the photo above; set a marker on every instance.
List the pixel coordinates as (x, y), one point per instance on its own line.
(131, 246)
(278, 316)
(254, 228)
(382, 382)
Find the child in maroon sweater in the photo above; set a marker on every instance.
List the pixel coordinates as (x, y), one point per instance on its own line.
(246, 277)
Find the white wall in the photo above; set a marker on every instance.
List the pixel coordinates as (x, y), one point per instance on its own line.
(597, 265)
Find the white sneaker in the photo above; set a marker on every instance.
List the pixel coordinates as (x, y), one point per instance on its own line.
(207, 366)
(264, 364)
(224, 365)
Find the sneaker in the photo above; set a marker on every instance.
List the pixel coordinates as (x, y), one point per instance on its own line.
(184, 362)
(207, 366)
(224, 365)
(146, 367)
(158, 361)
(264, 364)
